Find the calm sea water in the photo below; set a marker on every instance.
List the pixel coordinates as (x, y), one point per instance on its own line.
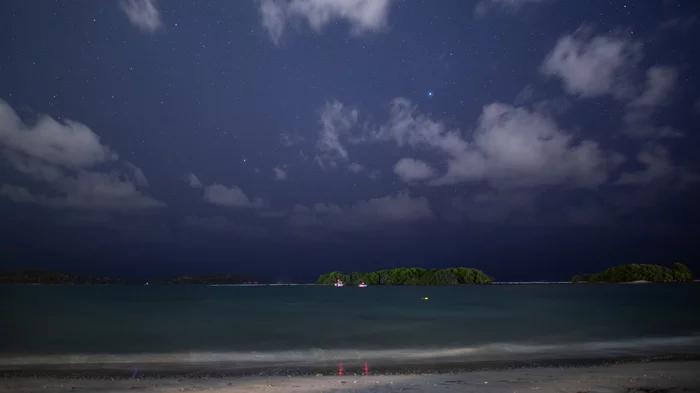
(277, 326)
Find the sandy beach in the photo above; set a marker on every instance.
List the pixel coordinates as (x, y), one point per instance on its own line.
(657, 377)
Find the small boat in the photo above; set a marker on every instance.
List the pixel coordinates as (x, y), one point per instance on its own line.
(339, 283)
(362, 285)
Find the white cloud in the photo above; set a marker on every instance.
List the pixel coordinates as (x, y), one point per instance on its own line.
(511, 147)
(63, 157)
(193, 181)
(593, 66)
(218, 194)
(374, 174)
(88, 190)
(362, 15)
(401, 208)
(142, 14)
(280, 174)
(679, 24)
(639, 122)
(336, 121)
(483, 6)
(658, 166)
(139, 176)
(67, 144)
(660, 83)
(273, 17)
(410, 170)
(289, 139)
(355, 167)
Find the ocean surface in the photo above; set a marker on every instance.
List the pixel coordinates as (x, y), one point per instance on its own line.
(228, 328)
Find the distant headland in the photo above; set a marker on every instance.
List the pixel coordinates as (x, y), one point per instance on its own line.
(47, 277)
(637, 274)
(409, 276)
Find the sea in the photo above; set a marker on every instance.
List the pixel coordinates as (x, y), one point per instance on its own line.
(156, 330)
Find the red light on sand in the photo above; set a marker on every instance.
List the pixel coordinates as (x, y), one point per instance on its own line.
(366, 372)
(340, 369)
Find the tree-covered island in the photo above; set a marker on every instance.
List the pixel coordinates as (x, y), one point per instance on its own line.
(47, 277)
(410, 276)
(637, 273)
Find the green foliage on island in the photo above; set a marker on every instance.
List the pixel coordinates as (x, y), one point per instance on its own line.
(216, 279)
(635, 272)
(45, 277)
(40, 276)
(410, 276)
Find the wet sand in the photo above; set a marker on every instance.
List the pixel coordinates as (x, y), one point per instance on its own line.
(656, 377)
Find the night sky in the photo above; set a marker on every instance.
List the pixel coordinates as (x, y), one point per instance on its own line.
(533, 139)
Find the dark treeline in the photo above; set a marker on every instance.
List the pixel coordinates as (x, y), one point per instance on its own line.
(410, 276)
(39, 276)
(634, 272)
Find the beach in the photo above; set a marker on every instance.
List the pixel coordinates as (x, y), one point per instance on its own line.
(657, 377)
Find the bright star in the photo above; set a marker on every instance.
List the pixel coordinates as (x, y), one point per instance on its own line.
(430, 94)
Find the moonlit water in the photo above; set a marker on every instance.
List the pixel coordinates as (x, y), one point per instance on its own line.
(238, 327)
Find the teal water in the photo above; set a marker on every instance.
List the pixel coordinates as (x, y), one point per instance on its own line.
(285, 325)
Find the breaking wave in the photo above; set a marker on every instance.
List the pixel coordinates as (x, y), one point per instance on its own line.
(498, 352)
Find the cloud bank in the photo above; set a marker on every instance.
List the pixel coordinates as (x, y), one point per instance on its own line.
(362, 15)
(69, 165)
(142, 14)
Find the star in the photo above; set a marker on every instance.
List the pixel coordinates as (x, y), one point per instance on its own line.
(430, 94)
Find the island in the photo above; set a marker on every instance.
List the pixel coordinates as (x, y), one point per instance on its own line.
(410, 276)
(638, 273)
(216, 279)
(47, 277)
(41, 276)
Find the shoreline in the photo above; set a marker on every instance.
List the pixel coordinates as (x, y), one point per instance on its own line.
(652, 376)
(223, 370)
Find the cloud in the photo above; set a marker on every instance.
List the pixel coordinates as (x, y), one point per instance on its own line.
(273, 17)
(398, 209)
(355, 167)
(218, 194)
(483, 6)
(280, 174)
(290, 139)
(362, 15)
(657, 166)
(142, 14)
(660, 84)
(593, 66)
(336, 121)
(511, 147)
(193, 181)
(410, 170)
(139, 176)
(64, 158)
(679, 24)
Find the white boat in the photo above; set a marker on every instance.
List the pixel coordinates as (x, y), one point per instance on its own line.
(339, 284)
(362, 285)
